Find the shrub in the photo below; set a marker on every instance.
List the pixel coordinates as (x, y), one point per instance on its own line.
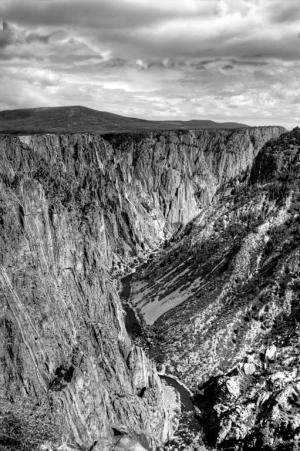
(24, 427)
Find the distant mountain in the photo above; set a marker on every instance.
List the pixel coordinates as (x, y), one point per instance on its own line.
(72, 119)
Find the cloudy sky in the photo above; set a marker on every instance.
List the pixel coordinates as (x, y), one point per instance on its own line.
(202, 59)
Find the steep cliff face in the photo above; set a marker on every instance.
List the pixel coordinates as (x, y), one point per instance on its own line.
(65, 356)
(146, 185)
(223, 297)
(165, 178)
(74, 208)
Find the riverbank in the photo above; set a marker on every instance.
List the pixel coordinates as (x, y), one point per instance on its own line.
(188, 425)
(184, 392)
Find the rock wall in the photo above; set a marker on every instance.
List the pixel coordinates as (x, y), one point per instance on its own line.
(72, 209)
(147, 185)
(226, 296)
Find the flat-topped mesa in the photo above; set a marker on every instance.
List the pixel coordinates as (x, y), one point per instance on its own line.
(71, 206)
(78, 119)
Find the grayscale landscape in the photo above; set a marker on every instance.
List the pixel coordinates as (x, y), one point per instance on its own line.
(149, 239)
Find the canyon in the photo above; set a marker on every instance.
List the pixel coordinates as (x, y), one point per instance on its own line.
(206, 223)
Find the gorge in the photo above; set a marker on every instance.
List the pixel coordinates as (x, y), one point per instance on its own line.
(208, 220)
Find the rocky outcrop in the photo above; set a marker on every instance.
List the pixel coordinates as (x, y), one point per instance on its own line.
(223, 301)
(76, 209)
(147, 184)
(256, 404)
(65, 356)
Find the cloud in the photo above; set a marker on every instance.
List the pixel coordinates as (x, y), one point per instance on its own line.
(96, 14)
(156, 29)
(11, 34)
(219, 59)
(280, 12)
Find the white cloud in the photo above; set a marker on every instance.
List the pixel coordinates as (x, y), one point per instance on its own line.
(215, 59)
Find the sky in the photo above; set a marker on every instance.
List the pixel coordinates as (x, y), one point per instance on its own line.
(224, 60)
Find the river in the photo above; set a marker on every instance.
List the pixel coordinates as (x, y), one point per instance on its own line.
(134, 329)
(188, 427)
(185, 398)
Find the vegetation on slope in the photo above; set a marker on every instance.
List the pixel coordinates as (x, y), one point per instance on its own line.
(234, 338)
(78, 119)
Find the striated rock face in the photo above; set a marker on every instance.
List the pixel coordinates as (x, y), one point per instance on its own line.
(64, 349)
(225, 297)
(169, 176)
(74, 208)
(146, 185)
